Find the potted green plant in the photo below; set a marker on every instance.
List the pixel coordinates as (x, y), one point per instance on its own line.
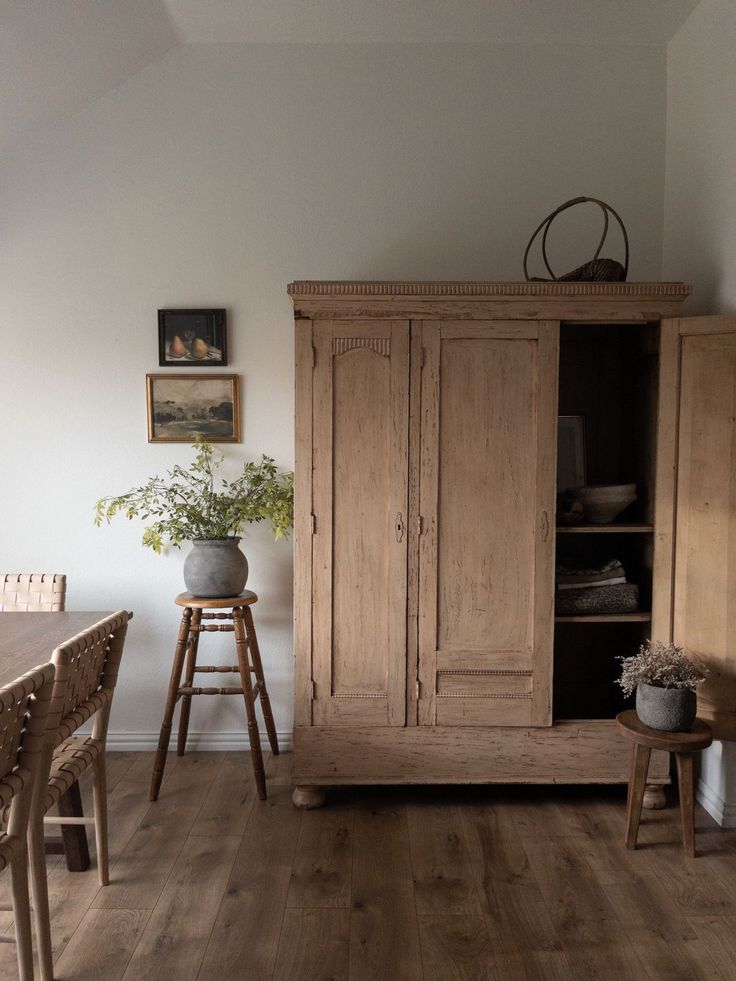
(664, 679)
(188, 506)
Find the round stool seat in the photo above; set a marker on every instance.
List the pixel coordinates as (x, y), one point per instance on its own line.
(216, 602)
(699, 737)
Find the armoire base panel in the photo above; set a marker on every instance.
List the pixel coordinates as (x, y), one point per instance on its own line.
(588, 751)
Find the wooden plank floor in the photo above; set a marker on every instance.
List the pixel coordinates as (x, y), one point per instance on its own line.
(397, 884)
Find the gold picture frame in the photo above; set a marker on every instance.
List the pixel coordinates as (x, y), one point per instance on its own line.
(182, 407)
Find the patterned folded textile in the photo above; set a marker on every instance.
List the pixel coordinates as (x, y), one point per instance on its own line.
(621, 598)
(603, 573)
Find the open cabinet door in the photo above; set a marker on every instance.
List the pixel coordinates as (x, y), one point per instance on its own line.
(487, 503)
(695, 559)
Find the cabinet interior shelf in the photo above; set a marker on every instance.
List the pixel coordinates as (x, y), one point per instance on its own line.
(630, 527)
(641, 617)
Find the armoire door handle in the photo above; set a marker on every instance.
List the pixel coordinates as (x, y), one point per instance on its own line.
(399, 527)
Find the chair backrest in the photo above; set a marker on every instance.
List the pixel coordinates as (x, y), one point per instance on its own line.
(24, 706)
(30, 592)
(86, 674)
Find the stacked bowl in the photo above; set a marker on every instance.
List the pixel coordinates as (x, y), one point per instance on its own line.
(603, 503)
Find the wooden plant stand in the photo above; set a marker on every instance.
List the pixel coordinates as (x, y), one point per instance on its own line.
(249, 662)
(684, 745)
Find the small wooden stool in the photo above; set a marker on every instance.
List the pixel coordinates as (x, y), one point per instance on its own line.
(246, 643)
(684, 745)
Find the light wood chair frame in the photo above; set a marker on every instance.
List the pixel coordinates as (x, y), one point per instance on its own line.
(24, 708)
(28, 592)
(86, 672)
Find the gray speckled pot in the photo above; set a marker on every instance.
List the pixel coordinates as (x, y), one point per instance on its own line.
(216, 569)
(669, 709)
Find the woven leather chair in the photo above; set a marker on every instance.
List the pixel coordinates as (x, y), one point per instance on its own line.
(86, 672)
(30, 592)
(24, 706)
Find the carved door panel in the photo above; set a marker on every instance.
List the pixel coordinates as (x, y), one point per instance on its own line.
(360, 478)
(695, 558)
(487, 501)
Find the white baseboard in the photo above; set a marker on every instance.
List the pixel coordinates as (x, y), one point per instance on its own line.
(137, 742)
(716, 806)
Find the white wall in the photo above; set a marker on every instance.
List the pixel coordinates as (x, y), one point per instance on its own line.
(700, 226)
(215, 176)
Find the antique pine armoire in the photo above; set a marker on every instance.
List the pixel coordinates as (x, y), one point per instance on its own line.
(427, 649)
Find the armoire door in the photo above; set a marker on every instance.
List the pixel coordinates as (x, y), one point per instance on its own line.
(360, 479)
(695, 559)
(487, 503)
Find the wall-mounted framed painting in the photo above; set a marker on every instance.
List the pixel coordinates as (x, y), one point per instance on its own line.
(192, 338)
(182, 407)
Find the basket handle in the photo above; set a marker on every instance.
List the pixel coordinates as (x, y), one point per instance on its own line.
(605, 208)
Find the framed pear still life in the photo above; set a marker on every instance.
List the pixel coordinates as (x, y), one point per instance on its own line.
(192, 338)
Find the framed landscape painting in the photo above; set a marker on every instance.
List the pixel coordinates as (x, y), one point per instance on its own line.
(182, 407)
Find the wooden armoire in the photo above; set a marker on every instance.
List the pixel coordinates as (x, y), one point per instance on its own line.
(427, 649)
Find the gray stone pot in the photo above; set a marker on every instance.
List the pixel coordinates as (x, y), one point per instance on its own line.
(215, 569)
(669, 709)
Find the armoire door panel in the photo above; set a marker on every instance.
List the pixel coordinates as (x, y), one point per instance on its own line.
(487, 497)
(360, 475)
(703, 612)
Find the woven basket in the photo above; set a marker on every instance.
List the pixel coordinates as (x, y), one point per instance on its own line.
(595, 270)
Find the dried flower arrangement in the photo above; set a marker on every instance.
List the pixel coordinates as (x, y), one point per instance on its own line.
(660, 665)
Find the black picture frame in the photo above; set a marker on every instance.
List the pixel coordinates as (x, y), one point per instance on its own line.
(199, 337)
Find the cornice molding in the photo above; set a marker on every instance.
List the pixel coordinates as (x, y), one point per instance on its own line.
(482, 289)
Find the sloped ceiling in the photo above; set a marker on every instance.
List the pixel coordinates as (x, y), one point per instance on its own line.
(532, 21)
(57, 56)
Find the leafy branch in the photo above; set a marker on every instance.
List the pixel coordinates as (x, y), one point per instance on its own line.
(187, 506)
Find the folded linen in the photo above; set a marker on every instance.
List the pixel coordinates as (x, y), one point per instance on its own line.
(591, 584)
(621, 598)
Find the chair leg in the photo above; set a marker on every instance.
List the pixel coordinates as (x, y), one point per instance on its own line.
(265, 700)
(174, 683)
(186, 700)
(637, 780)
(40, 897)
(22, 914)
(687, 809)
(241, 645)
(99, 801)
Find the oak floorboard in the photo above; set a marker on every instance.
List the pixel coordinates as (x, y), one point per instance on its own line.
(456, 948)
(558, 896)
(314, 945)
(384, 938)
(227, 807)
(248, 925)
(84, 959)
(719, 934)
(139, 875)
(688, 959)
(175, 938)
(323, 863)
(524, 942)
(443, 877)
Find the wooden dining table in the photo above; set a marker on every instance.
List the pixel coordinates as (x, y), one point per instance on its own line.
(27, 640)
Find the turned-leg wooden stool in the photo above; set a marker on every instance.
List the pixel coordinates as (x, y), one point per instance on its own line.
(684, 745)
(249, 662)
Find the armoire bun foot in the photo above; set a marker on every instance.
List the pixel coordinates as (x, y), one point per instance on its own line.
(654, 797)
(308, 798)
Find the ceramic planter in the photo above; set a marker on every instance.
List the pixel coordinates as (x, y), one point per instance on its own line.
(214, 569)
(669, 709)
